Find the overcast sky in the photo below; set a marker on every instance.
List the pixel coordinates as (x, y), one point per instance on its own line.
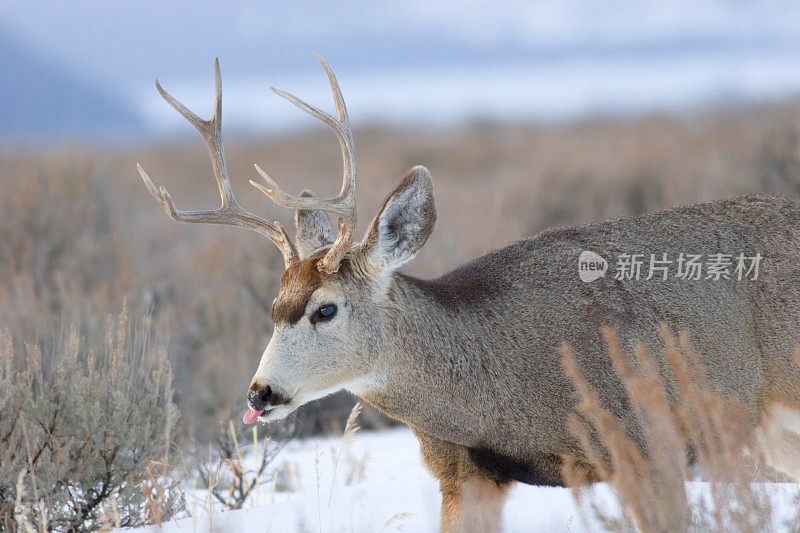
(421, 59)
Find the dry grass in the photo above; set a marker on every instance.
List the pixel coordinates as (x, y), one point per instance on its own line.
(78, 230)
(684, 424)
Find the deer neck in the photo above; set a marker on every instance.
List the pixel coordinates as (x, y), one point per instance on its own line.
(429, 355)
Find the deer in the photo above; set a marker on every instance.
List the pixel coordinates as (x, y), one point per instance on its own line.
(470, 360)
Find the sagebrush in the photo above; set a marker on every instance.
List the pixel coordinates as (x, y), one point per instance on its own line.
(85, 433)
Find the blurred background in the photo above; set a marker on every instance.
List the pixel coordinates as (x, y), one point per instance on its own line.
(529, 114)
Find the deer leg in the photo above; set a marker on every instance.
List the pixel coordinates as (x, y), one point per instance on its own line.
(471, 501)
(474, 504)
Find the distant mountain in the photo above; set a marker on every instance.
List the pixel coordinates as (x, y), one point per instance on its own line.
(40, 101)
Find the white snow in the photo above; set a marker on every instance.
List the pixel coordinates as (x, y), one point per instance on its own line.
(396, 492)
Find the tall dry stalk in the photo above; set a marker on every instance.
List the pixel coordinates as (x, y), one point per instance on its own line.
(683, 423)
(350, 429)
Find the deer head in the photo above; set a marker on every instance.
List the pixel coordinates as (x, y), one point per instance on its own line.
(329, 315)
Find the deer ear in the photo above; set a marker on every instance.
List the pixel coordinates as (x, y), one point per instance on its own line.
(314, 230)
(403, 223)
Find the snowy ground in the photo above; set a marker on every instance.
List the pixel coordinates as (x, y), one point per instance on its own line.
(384, 486)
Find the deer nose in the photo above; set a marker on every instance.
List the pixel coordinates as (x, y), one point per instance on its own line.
(259, 397)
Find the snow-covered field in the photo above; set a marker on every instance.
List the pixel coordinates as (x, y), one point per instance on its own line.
(383, 486)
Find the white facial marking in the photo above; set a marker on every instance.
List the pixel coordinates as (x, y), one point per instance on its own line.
(303, 359)
(277, 413)
(355, 386)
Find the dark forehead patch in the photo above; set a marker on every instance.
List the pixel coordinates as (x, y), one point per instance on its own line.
(298, 283)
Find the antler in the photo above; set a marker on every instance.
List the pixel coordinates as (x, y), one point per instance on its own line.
(229, 212)
(344, 204)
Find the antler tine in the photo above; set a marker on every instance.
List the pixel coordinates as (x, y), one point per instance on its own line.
(211, 130)
(344, 204)
(338, 99)
(229, 212)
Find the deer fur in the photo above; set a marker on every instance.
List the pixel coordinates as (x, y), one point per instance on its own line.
(470, 360)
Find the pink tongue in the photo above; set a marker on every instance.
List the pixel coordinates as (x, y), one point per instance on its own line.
(251, 415)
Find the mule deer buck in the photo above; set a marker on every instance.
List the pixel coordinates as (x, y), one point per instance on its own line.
(470, 360)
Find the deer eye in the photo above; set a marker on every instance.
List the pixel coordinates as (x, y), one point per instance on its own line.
(325, 312)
